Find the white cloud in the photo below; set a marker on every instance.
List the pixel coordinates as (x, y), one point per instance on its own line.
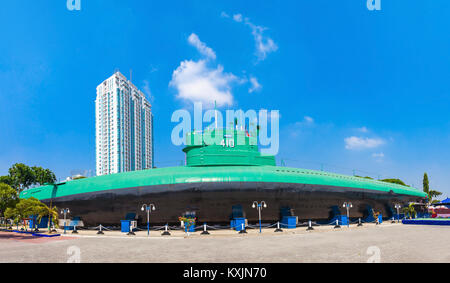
(146, 90)
(301, 126)
(309, 119)
(196, 82)
(264, 44)
(201, 47)
(153, 69)
(255, 85)
(237, 18)
(363, 130)
(362, 143)
(378, 155)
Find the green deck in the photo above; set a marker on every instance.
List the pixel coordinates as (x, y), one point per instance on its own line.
(179, 175)
(236, 159)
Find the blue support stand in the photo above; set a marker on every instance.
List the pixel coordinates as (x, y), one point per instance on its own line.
(191, 229)
(380, 218)
(289, 222)
(125, 226)
(238, 223)
(341, 220)
(36, 224)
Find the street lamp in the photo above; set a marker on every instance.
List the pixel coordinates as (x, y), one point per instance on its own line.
(348, 205)
(259, 206)
(398, 206)
(65, 211)
(148, 208)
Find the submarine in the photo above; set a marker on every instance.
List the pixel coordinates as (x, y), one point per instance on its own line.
(220, 182)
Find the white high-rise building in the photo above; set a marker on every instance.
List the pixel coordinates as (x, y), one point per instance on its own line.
(124, 127)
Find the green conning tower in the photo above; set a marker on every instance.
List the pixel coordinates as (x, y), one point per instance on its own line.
(224, 147)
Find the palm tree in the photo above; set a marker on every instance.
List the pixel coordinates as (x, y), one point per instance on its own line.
(410, 210)
(51, 212)
(431, 193)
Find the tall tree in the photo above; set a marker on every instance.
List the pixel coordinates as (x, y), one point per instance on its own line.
(6, 180)
(394, 181)
(22, 176)
(426, 183)
(8, 198)
(43, 176)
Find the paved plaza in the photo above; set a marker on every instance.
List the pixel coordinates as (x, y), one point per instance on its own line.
(371, 243)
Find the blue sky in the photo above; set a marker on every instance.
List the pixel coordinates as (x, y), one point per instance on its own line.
(356, 89)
